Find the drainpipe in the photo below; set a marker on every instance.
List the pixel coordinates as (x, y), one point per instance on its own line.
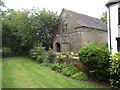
(109, 28)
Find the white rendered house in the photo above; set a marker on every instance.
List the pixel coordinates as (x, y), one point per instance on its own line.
(113, 25)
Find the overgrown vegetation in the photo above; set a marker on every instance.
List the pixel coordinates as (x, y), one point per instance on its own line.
(115, 70)
(95, 58)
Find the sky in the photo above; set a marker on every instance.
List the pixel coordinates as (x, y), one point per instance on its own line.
(93, 8)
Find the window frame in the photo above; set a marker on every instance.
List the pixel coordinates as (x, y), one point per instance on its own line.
(119, 16)
(118, 44)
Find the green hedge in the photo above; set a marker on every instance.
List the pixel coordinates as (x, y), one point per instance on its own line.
(95, 58)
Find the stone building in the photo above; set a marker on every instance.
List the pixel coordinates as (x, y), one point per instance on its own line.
(77, 30)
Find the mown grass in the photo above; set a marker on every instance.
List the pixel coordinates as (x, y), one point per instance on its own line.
(22, 72)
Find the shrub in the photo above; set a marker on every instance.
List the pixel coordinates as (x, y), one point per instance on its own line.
(79, 76)
(115, 70)
(57, 67)
(70, 70)
(39, 54)
(6, 51)
(95, 58)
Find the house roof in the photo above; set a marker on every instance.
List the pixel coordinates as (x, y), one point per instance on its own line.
(111, 2)
(88, 21)
(63, 39)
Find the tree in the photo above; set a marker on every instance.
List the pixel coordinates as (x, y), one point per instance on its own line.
(14, 25)
(104, 17)
(43, 24)
(28, 27)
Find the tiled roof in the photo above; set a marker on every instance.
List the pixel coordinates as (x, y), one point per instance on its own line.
(88, 21)
(111, 2)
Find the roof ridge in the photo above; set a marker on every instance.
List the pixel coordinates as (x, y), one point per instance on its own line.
(71, 15)
(81, 14)
(87, 21)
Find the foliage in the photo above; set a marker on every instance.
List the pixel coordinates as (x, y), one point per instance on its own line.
(43, 24)
(60, 58)
(63, 57)
(104, 17)
(79, 76)
(28, 27)
(1, 3)
(95, 58)
(39, 54)
(115, 70)
(15, 24)
(6, 51)
(1, 6)
(70, 70)
(57, 67)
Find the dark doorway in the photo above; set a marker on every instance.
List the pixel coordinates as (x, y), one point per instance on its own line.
(58, 47)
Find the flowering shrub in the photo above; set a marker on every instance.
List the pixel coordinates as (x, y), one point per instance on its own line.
(63, 57)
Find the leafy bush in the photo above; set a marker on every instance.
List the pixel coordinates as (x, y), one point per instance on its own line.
(39, 54)
(95, 58)
(6, 51)
(57, 67)
(79, 76)
(70, 70)
(115, 70)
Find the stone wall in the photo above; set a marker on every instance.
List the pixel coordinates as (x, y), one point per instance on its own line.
(84, 36)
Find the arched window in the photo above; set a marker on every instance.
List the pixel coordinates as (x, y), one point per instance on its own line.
(64, 26)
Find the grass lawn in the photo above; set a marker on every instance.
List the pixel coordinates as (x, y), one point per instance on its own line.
(22, 72)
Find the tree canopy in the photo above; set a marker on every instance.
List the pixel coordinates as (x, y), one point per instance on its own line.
(104, 17)
(23, 28)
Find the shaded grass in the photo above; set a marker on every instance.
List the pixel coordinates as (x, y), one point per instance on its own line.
(22, 72)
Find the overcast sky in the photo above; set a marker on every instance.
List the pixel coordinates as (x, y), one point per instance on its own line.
(92, 8)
